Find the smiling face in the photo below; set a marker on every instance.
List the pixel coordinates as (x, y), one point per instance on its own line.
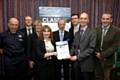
(106, 19)
(83, 19)
(28, 21)
(13, 24)
(61, 24)
(75, 20)
(38, 28)
(47, 33)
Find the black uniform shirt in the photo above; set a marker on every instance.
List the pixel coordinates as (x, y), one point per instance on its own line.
(13, 43)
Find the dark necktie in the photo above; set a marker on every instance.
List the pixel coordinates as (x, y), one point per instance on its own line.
(81, 34)
(29, 31)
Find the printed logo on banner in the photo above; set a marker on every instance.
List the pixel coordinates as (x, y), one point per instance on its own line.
(51, 15)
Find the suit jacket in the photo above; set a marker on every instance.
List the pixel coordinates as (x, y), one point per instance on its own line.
(27, 42)
(24, 30)
(37, 48)
(71, 33)
(109, 44)
(66, 37)
(84, 49)
(13, 45)
(41, 64)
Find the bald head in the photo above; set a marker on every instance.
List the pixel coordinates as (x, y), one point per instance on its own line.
(13, 20)
(84, 19)
(13, 24)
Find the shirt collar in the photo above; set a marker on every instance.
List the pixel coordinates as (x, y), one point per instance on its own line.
(30, 27)
(61, 31)
(77, 26)
(84, 28)
(107, 27)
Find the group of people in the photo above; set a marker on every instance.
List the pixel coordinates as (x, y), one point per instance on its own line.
(30, 53)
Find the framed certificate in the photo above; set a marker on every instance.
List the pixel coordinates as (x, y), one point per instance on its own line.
(62, 50)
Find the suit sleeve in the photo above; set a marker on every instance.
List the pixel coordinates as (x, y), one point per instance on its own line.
(38, 49)
(74, 47)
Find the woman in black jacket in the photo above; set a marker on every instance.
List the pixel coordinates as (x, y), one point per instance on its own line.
(43, 54)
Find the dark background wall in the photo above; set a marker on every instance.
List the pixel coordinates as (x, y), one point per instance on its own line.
(21, 8)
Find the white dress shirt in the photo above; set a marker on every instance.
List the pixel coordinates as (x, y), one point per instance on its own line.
(49, 46)
(29, 30)
(76, 28)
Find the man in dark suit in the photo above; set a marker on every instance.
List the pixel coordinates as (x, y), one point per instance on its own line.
(107, 38)
(83, 50)
(74, 28)
(62, 35)
(74, 25)
(28, 30)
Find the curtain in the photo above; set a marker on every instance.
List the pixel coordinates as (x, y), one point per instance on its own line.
(22, 8)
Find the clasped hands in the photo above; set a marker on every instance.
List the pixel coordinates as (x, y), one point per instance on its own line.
(98, 55)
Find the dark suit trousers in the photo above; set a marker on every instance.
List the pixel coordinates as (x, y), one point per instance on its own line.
(102, 72)
(16, 71)
(99, 74)
(66, 69)
(62, 65)
(82, 75)
(72, 71)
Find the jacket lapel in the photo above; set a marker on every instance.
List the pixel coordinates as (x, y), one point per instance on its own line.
(86, 32)
(108, 33)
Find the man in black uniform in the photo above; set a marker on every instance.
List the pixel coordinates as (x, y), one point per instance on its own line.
(15, 60)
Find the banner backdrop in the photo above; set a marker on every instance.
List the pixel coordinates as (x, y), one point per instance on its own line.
(51, 15)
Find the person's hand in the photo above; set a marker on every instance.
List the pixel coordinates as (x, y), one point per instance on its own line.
(73, 58)
(55, 53)
(98, 55)
(1, 51)
(49, 54)
(31, 64)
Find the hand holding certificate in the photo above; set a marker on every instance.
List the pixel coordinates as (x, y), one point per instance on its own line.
(62, 50)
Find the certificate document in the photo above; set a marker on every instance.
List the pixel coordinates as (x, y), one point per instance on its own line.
(62, 50)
